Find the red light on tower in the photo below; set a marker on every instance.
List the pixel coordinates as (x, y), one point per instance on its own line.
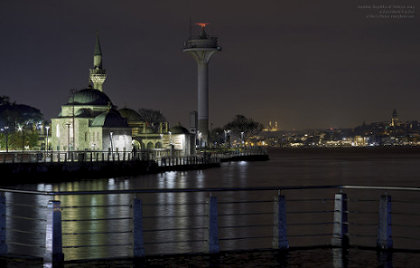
(202, 24)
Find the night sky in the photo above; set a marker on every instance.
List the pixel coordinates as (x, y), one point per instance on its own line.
(306, 64)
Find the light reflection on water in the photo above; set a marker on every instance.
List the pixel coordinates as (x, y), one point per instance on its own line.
(281, 170)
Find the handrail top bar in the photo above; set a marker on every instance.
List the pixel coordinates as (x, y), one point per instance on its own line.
(232, 189)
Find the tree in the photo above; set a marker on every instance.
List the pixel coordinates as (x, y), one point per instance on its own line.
(152, 117)
(240, 124)
(217, 136)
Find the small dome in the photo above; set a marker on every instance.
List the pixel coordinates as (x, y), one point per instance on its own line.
(89, 96)
(130, 115)
(179, 130)
(111, 118)
(84, 113)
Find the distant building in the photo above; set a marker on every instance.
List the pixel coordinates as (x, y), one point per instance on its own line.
(395, 122)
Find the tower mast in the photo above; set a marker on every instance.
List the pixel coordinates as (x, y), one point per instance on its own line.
(202, 48)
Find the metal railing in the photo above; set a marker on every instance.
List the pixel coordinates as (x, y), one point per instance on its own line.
(134, 223)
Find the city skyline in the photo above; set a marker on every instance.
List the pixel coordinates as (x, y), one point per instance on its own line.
(316, 65)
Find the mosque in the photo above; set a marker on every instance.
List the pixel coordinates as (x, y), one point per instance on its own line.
(90, 121)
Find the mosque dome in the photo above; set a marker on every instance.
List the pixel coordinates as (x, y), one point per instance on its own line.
(111, 118)
(130, 115)
(179, 130)
(89, 96)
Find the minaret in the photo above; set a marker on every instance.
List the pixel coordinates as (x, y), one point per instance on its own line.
(97, 74)
(202, 48)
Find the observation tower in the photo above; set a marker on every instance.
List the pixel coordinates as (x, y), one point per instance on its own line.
(202, 48)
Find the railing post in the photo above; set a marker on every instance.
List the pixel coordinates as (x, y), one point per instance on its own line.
(280, 224)
(340, 226)
(213, 232)
(138, 242)
(384, 240)
(53, 237)
(3, 245)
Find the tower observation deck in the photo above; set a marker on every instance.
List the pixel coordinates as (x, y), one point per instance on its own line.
(202, 48)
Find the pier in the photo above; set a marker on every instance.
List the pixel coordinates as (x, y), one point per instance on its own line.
(62, 165)
(139, 223)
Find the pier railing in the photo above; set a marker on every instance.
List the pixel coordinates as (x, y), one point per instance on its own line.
(134, 223)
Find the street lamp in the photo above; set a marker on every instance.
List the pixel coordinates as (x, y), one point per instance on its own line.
(226, 135)
(242, 137)
(47, 128)
(20, 129)
(110, 136)
(6, 132)
(68, 136)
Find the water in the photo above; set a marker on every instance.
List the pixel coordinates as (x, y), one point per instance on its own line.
(284, 169)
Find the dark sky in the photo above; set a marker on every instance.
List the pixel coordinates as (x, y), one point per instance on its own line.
(306, 64)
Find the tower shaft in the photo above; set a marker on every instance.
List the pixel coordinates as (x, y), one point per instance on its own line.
(202, 48)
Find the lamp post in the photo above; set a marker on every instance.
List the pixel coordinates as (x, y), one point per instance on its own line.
(242, 138)
(110, 137)
(20, 129)
(226, 135)
(68, 136)
(47, 128)
(7, 138)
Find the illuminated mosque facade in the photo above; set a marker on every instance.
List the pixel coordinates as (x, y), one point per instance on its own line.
(90, 121)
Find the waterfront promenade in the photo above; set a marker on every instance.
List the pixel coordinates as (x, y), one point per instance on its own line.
(58, 166)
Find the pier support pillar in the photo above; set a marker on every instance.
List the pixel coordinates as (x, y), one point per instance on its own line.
(138, 241)
(53, 235)
(3, 245)
(340, 226)
(280, 224)
(384, 240)
(213, 231)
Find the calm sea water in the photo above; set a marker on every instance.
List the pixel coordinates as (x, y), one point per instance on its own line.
(89, 239)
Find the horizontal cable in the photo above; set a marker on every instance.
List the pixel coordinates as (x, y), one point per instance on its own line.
(309, 212)
(24, 232)
(405, 225)
(245, 237)
(245, 226)
(25, 218)
(174, 229)
(246, 214)
(406, 237)
(362, 212)
(406, 201)
(176, 204)
(24, 245)
(309, 224)
(95, 206)
(245, 202)
(11, 204)
(363, 224)
(98, 219)
(362, 200)
(360, 235)
(110, 232)
(103, 245)
(405, 213)
(174, 242)
(171, 216)
(310, 200)
(307, 235)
